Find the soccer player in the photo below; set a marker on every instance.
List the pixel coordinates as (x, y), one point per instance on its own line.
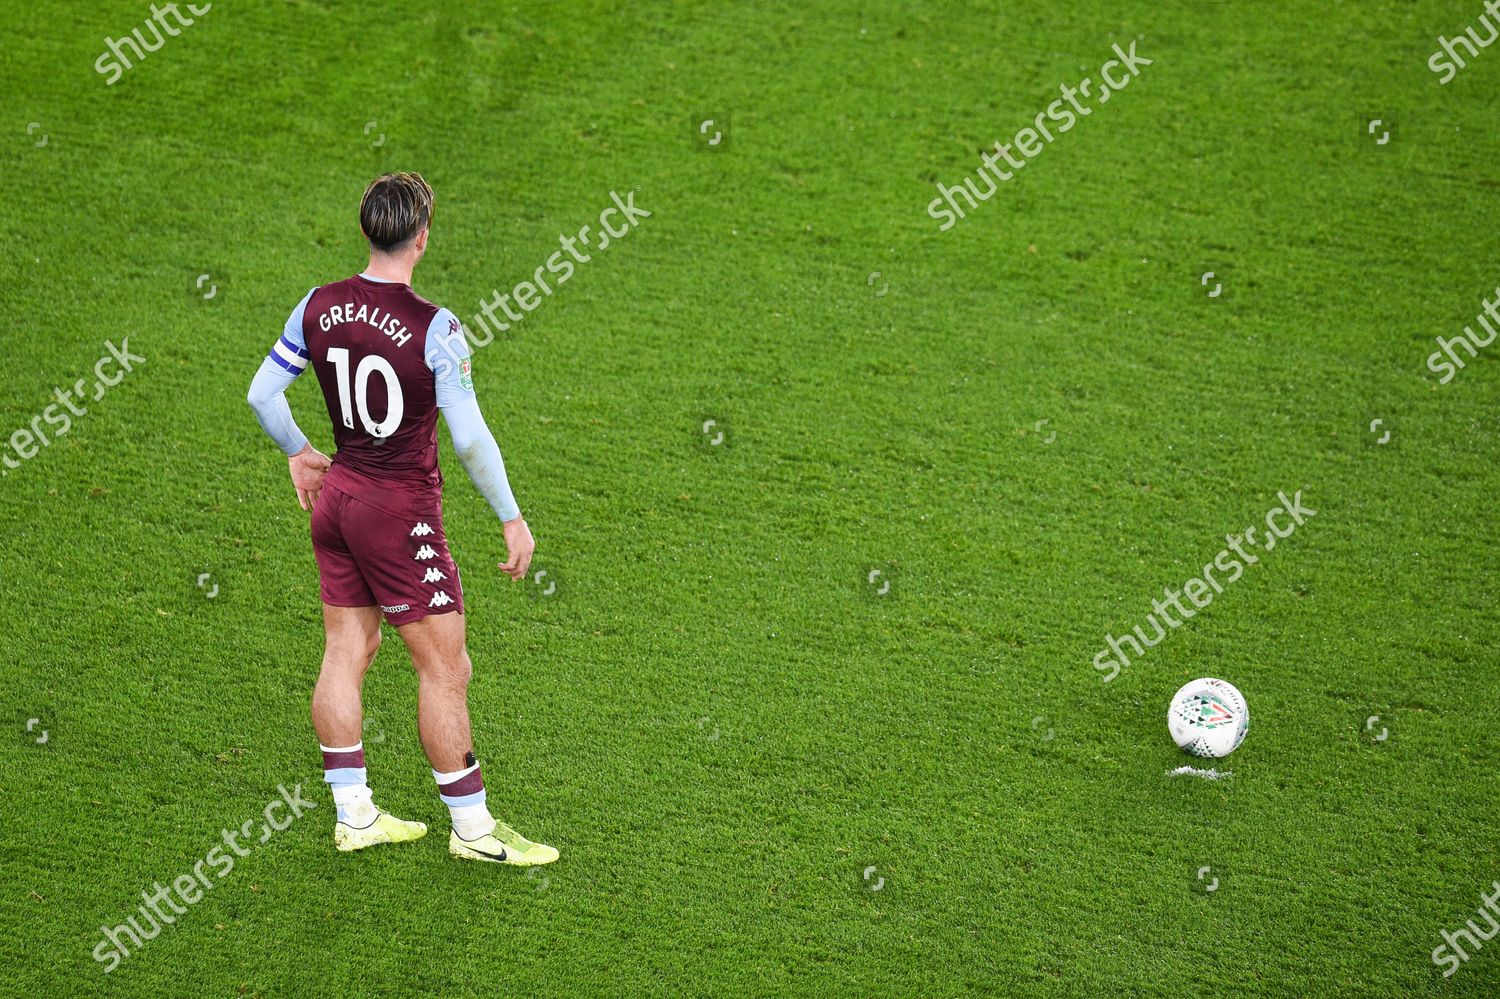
(388, 361)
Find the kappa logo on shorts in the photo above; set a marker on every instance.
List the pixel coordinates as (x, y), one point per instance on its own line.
(434, 575)
(441, 600)
(399, 608)
(421, 530)
(425, 552)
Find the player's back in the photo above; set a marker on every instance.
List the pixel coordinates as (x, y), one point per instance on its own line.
(367, 341)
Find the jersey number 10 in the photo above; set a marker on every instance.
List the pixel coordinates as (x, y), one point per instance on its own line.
(371, 364)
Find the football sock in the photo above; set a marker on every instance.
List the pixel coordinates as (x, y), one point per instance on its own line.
(344, 770)
(463, 792)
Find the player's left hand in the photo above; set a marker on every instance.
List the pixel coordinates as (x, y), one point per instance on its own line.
(308, 468)
(520, 544)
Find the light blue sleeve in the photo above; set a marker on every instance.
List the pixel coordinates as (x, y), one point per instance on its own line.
(448, 356)
(288, 359)
(293, 331)
(480, 456)
(268, 398)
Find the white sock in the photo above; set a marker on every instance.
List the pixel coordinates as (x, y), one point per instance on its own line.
(355, 805)
(344, 770)
(472, 821)
(471, 816)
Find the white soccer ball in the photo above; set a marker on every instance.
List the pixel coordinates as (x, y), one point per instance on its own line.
(1209, 717)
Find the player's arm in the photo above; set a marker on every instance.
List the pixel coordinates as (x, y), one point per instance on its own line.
(267, 397)
(448, 357)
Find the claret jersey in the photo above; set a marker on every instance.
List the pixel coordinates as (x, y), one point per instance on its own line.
(384, 357)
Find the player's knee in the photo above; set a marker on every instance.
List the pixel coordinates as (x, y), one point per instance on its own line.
(372, 646)
(452, 671)
(458, 670)
(352, 652)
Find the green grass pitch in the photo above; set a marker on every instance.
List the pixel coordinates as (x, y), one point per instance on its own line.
(768, 774)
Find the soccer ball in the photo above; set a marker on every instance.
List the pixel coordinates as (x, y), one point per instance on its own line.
(1208, 717)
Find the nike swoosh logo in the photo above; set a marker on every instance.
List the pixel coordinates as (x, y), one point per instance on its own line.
(483, 853)
(493, 856)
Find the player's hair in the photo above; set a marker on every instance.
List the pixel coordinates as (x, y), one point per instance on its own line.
(394, 209)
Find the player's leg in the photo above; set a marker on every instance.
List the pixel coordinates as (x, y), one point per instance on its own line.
(351, 624)
(441, 659)
(440, 656)
(351, 639)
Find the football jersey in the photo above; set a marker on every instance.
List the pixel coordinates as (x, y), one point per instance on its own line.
(367, 342)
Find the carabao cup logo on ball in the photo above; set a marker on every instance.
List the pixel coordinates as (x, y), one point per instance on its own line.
(1208, 717)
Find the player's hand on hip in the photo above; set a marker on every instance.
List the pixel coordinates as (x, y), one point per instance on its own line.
(308, 468)
(519, 544)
